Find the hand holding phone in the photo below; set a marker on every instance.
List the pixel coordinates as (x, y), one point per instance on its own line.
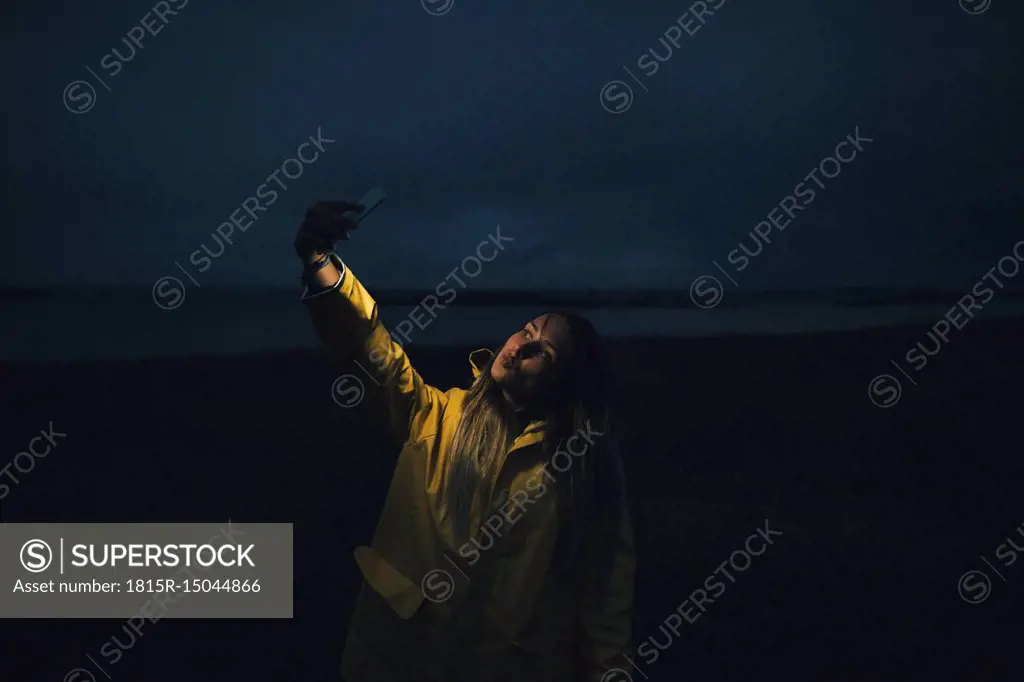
(330, 221)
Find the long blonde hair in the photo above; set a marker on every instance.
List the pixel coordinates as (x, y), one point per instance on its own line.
(485, 432)
(579, 402)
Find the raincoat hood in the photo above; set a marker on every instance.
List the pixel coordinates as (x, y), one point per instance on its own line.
(478, 359)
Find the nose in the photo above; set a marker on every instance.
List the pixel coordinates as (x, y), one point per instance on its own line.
(527, 350)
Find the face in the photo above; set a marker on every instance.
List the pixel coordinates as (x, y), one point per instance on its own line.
(531, 359)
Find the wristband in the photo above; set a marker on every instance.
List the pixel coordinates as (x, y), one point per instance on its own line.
(315, 267)
(319, 265)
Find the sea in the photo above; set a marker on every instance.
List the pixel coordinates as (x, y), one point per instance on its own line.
(85, 325)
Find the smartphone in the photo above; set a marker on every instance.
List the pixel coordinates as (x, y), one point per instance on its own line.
(370, 201)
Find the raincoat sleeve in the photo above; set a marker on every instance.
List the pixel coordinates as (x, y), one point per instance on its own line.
(345, 317)
(605, 620)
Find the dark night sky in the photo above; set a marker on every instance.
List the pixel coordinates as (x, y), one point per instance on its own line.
(491, 114)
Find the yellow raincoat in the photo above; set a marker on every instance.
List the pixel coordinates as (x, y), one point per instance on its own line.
(491, 610)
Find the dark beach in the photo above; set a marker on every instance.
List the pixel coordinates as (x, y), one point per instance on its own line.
(881, 511)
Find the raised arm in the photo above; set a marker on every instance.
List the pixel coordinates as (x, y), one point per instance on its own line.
(346, 319)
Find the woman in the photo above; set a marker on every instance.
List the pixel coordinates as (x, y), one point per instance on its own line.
(504, 550)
